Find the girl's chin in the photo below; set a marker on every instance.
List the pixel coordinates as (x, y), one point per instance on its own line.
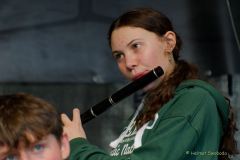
(149, 87)
(152, 85)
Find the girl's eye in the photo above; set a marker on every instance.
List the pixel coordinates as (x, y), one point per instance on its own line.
(135, 45)
(38, 148)
(118, 56)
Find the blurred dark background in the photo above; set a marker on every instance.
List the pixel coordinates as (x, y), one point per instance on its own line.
(58, 50)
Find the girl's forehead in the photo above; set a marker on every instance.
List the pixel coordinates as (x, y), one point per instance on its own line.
(128, 31)
(124, 35)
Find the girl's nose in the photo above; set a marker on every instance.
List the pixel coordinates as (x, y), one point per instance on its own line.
(131, 61)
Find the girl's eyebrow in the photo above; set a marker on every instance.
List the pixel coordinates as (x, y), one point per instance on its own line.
(128, 44)
(132, 41)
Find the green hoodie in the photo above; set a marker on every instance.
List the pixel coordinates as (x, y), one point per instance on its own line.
(188, 127)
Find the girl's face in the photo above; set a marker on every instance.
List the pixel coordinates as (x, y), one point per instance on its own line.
(137, 51)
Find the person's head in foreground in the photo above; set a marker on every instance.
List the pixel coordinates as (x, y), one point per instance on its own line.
(30, 129)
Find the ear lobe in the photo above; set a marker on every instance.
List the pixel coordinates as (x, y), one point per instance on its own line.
(65, 147)
(170, 37)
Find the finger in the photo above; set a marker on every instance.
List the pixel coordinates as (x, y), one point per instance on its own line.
(76, 115)
(65, 119)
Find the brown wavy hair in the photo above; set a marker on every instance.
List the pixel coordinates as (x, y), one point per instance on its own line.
(165, 91)
(156, 22)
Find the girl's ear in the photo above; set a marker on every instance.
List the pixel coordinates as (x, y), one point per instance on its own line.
(170, 38)
(65, 147)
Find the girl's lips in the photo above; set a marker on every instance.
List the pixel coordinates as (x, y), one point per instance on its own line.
(139, 75)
